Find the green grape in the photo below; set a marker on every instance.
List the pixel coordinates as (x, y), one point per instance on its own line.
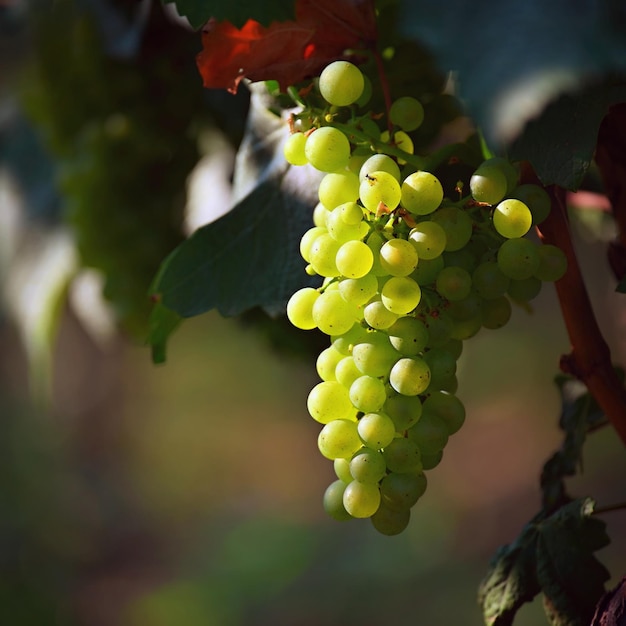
(368, 465)
(341, 83)
(342, 470)
(328, 401)
(375, 355)
(376, 430)
(552, 263)
(429, 240)
(378, 316)
(453, 283)
(466, 328)
(488, 185)
(379, 163)
(400, 491)
(442, 365)
(461, 258)
(524, 290)
(379, 187)
(300, 308)
(354, 259)
(430, 434)
(344, 342)
(332, 314)
(327, 362)
(496, 312)
(327, 149)
(454, 347)
(293, 149)
(402, 455)
(368, 394)
(361, 499)
(448, 407)
(408, 336)
(322, 255)
(430, 461)
(410, 376)
(398, 257)
(340, 229)
(320, 214)
(308, 239)
(489, 281)
(427, 271)
(404, 411)
(339, 439)
(407, 113)
(351, 213)
(512, 218)
(347, 372)
(401, 294)
(518, 258)
(333, 501)
(421, 193)
(507, 168)
(439, 328)
(358, 291)
(338, 188)
(536, 199)
(457, 225)
(389, 522)
(465, 309)
(375, 241)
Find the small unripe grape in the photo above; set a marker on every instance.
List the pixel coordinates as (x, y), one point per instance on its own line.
(294, 149)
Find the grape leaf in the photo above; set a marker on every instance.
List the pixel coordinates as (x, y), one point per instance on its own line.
(198, 12)
(560, 143)
(523, 54)
(571, 578)
(286, 51)
(511, 580)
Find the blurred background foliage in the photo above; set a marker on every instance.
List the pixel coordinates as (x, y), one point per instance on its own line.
(190, 494)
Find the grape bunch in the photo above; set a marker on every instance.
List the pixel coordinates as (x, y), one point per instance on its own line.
(408, 274)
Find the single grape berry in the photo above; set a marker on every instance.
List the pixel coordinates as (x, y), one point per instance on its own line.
(341, 83)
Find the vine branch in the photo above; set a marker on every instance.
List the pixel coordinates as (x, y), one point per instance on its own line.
(590, 358)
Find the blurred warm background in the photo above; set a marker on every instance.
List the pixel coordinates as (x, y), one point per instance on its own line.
(189, 494)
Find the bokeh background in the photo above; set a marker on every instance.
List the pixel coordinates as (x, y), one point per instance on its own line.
(189, 494)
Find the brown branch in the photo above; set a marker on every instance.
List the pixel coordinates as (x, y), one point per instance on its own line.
(590, 358)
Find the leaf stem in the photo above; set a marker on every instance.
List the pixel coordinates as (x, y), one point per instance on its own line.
(590, 358)
(610, 508)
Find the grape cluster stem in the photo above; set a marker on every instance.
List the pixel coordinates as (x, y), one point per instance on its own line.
(590, 358)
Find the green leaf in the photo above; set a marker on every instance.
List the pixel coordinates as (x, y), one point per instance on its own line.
(162, 323)
(511, 580)
(560, 143)
(198, 12)
(571, 578)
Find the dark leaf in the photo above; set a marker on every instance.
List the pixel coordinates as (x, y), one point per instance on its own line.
(571, 578)
(511, 580)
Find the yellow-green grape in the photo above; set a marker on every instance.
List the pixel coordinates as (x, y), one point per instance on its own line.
(367, 394)
(376, 430)
(327, 149)
(341, 83)
(398, 257)
(408, 336)
(488, 185)
(447, 407)
(293, 149)
(339, 439)
(320, 213)
(361, 499)
(407, 113)
(354, 259)
(347, 372)
(404, 411)
(379, 187)
(358, 290)
(401, 294)
(378, 316)
(400, 140)
(536, 199)
(328, 401)
(322, 255)
(351, 213)
(368, 465)
(429, 240)
(511, 174)
(457, 225)
(410, 376)
(332, 314)
(421, 193)
(379, 163)
(403, 455)
(496, 312)
(342, 470)
(345, 342)
(401, 490)
(333, 501)
(512, 218)
(300, 308)
(453, 283)
(374, 355)
(326, 363)
(337, 188)
(518, 258)
(343, 230)
(307, 240)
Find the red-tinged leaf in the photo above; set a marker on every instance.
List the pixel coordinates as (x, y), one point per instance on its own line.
(287, 52)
